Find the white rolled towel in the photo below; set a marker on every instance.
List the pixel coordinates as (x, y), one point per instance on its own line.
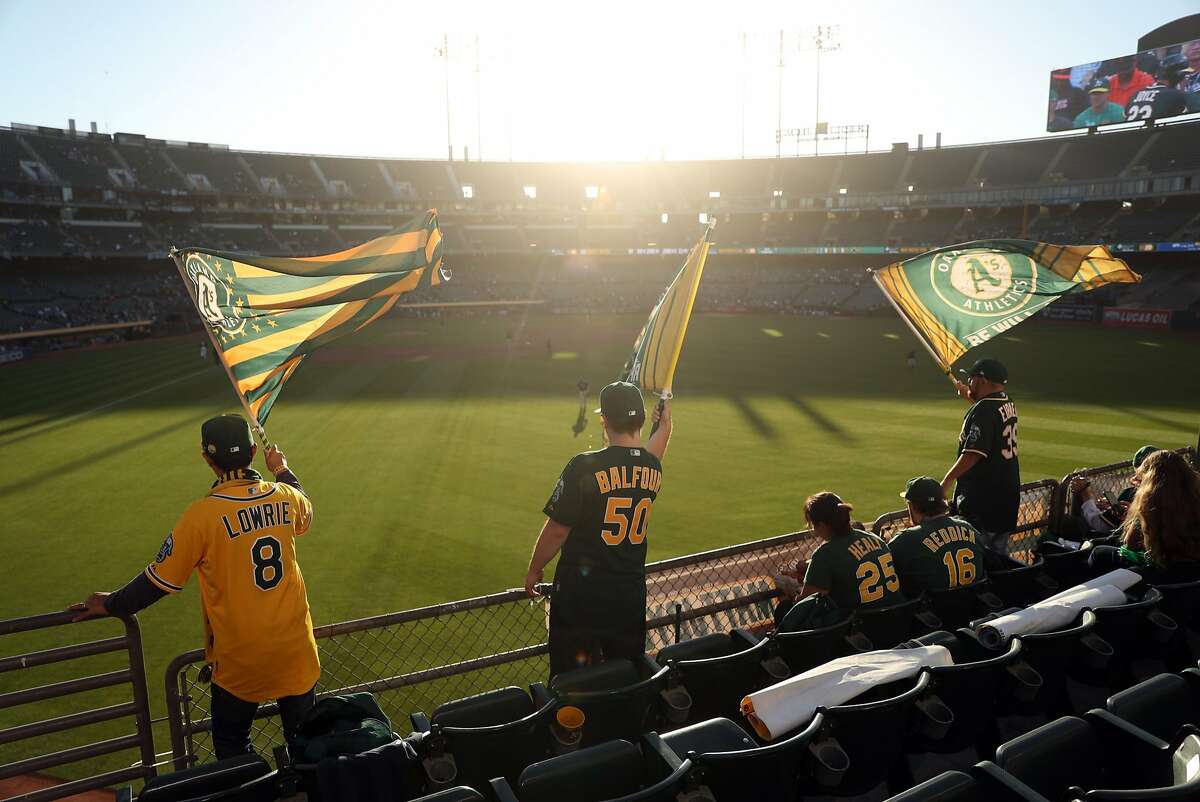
(1121, 579)
(791, 703)
(1049, 615)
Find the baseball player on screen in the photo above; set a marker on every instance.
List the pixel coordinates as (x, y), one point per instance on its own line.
(598, 515)
(240, 539)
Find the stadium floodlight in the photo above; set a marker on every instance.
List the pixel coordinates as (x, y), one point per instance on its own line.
(703, 217)
(1126, 204)
(841, 190)
(531, 192)
(665, 217)
(591, 192)
(777, 193)
(468, 191)
(714, 194)
(911, 187)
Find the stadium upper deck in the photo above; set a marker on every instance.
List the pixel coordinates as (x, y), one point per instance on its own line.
(97, 195)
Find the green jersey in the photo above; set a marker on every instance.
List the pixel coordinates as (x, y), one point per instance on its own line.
(605, 497)
(937, 554)
(857, 571)
(1112, 113)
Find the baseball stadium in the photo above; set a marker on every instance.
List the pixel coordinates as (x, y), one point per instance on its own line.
(851, 586)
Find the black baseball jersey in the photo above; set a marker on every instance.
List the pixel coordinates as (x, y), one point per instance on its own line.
(857, 571)
(1155, 102)
(989, 494)
(937, 554)
(605, 497)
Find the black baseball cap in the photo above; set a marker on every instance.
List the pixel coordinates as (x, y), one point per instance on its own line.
(923, 488)
(622, 401)
(991, 369)
(1098, 85)
(226, 440)
(1142, 453)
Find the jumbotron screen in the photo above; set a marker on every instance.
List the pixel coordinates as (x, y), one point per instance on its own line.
(1154, 84)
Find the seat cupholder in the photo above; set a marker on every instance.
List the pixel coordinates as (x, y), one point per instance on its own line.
(829, 762)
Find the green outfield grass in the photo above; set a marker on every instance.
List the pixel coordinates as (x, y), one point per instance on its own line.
(428, 449)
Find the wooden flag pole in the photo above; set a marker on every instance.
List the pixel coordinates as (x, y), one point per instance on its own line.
(259, 432)
(945, 368)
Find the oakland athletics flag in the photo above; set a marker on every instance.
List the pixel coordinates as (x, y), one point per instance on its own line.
(656, 352)
(960, 297)
(266, 314)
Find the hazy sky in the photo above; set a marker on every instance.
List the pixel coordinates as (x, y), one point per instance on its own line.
(558, 80)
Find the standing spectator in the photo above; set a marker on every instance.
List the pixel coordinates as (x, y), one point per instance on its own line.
(1161, 532)
(597, 515)
(203, 352)
(240, 538)
(1102, 111)
(1126, 81)
(986, 478)
(1161, 99)
(852, 568)
(939, 551)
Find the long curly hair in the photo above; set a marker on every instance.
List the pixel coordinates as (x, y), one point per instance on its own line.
(1164, 516)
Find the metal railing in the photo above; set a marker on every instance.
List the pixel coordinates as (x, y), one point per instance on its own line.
(417, 659)
(1035, 517)
(1105, 479)
(133, 674)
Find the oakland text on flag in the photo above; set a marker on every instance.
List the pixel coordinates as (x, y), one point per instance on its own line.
(266, 314)
(656, 352)
(959, 297)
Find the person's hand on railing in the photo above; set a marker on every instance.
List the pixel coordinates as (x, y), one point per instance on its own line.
(92, 607)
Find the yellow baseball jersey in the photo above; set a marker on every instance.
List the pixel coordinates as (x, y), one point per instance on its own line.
(240, 539)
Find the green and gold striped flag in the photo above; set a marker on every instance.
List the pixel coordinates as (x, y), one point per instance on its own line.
(651, 366)
(959, 297)
(266, 314)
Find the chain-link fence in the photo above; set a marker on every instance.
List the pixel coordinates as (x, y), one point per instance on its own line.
(417, 659)
(1107, 481)
(1034, 519)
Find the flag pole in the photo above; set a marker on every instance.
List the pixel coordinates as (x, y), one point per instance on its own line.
(255, 426)
(912, 328)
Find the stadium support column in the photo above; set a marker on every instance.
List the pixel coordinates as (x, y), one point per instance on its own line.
(779, 102)
(444, 52)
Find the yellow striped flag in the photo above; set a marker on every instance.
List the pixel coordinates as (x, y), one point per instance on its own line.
(266, 314)
(651, 366)
(959, 297)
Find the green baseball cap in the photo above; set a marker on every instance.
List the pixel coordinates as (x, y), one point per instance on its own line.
(923, 488)
(621, 401)
(226, 439)
(1142, 453)
(991, 369)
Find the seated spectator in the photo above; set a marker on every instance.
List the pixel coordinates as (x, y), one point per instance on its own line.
(1161, 532)
(851, 568)
(1098, 514)
(939, 551)
(1101, 110)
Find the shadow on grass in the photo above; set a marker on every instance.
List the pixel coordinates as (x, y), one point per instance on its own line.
(820, 419)
(757, 422)
(1152, 418)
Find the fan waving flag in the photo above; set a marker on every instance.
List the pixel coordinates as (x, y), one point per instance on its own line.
(656, 352)
(959, 297)
(266, 314)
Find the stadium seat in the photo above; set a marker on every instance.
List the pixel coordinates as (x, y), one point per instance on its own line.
(734, 767)
(1067, 567)
(971, 691)
(246, 778)
(1099, 757)
(1020, 587)
(1140, 635)
(717, 683)
(1076, 651)
(886, 627)
(812, 647)
(615, 770)
(957, 607)
(493, 734)
(871, 732)
(1182, 603)
(952, 786)
(618, 697)
(461, 793)
(391, 771)
(1162, 706)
